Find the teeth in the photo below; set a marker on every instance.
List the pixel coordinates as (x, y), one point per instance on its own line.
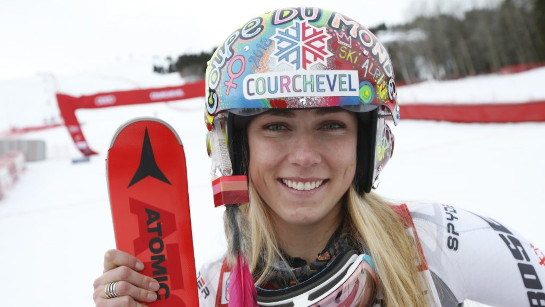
(302, 186)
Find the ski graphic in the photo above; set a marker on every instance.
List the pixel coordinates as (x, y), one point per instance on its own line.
(147, 182)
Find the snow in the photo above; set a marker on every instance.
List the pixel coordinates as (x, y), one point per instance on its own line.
(490, 88)
(55, 223)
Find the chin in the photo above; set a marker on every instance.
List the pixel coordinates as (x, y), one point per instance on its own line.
(302, 219)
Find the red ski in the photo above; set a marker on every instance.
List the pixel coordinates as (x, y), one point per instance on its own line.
(147, 181)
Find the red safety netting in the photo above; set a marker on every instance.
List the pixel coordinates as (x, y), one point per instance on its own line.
(477, 113)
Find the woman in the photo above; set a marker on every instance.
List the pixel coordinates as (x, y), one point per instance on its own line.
(297, 103)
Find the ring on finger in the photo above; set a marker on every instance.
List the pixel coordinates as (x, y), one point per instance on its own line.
(110, 289)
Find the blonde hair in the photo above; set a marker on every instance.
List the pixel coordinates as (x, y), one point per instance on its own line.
(393, 250)
(375, 225)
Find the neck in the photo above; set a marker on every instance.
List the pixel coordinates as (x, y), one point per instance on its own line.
(306, 241)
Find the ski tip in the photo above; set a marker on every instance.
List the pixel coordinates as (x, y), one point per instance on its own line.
(144, 119)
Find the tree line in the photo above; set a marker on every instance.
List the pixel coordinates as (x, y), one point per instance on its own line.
(443, 46)
(481, 41)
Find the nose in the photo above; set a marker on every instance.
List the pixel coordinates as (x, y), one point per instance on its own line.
(304, 151)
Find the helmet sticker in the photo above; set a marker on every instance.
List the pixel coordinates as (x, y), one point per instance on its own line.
(259, 52)
(367, 92)
(212, 101)
(301, 83)
(302, 45)
(240, 63)
(384, 144)
(345, 40)
(365, 37)
(283, 16)
(392, 90)
(382, 92)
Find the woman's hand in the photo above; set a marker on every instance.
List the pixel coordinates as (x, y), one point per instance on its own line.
(131, 289)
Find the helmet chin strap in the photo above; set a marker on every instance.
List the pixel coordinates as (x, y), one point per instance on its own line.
(228, 189)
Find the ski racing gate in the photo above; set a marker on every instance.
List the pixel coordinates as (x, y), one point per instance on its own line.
(68, 105)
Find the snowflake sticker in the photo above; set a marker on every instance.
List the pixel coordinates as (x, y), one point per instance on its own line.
(302, 45)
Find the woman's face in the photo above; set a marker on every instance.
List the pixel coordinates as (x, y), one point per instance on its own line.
(303, 161)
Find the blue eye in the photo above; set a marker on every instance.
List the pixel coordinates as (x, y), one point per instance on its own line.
(332, 126)
(275, 127)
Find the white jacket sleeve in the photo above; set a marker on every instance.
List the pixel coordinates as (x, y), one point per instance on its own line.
(477, 258)
(208, 281)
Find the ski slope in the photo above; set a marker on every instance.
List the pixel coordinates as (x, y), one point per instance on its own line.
(55, 223)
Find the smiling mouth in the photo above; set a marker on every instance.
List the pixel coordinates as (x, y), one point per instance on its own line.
(302, 186)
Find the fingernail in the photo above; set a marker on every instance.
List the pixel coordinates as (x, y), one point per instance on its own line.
(154, 286)
(152, 297)
(139, 266)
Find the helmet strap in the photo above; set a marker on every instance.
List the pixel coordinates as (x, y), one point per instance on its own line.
(365, 165)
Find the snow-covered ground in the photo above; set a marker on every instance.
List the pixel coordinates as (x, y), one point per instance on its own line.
(491, 88)
(55, 223)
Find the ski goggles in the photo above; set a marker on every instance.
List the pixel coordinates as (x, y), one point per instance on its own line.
(349, 280)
